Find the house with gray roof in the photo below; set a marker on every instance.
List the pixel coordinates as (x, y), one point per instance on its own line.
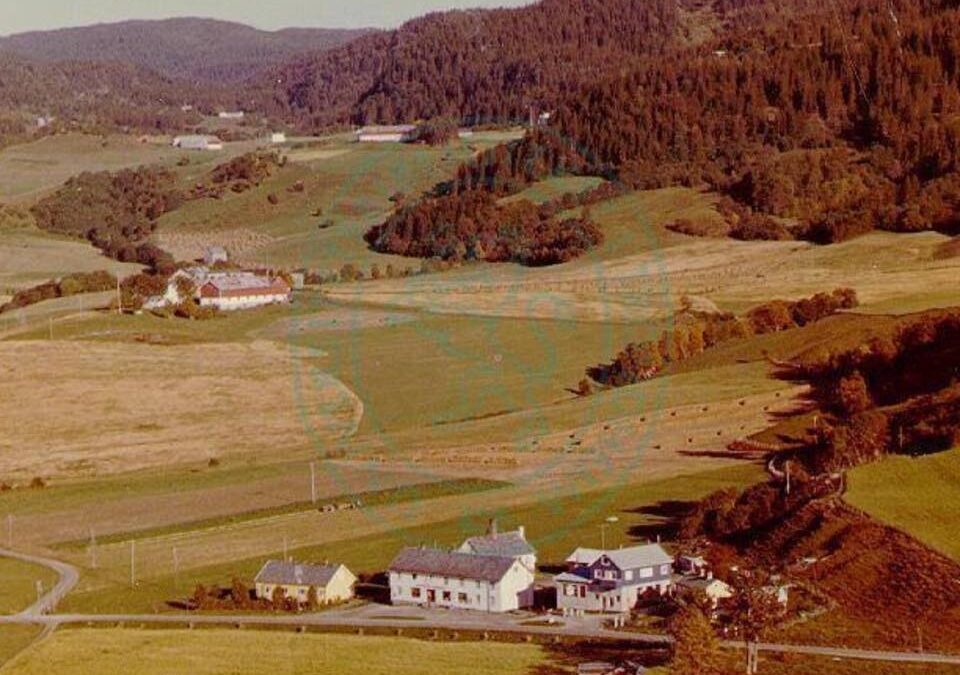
(434, 577)
(504, 544)
(612, 580)
(331, 583)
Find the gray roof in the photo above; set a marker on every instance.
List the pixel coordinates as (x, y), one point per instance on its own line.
(448, 564)
(295, 574)
(647, 555)
(506, 544)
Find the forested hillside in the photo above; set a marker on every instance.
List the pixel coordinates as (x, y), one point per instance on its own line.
(818, 121)
(193, 49)
(90, 94)
(479, 66)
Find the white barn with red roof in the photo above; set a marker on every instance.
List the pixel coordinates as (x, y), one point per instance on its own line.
(242, 290)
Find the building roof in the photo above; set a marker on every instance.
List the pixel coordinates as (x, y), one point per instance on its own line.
(239, 284)
(392, 129)
(647, 555)
(450, 564)
(295, 574)
(504, 544)
(710, 585)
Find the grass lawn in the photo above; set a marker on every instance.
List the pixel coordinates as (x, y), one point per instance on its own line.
(14, 639)
(552, 188)
(634, 223)
(221, 652)
(348, 186)
(397, 495)
(445, 368)
(18, 590)
(555, 527)
(916, 495)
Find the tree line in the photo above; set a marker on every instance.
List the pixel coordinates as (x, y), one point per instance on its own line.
(695, 332)
(898, 393)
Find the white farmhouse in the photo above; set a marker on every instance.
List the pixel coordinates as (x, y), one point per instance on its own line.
(436, 578)
(278, 138)
(331, 583)
(612, 580)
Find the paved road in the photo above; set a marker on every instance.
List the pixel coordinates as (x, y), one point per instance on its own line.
(374, 616)
(68, 578)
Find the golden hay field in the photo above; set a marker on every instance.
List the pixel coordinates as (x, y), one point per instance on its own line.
(223, 652)
(81, 408)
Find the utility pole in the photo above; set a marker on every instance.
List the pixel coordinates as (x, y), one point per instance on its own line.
(786, 467)
(93, 550)
(119, 297)
(313, 482)
(133, 566)
(176, 569)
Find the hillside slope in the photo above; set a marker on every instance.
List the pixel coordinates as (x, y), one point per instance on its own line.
(188, 48)
(479, 65)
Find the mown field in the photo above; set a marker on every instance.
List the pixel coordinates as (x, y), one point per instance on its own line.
(919, 495)
(555, 525)
(222, 652)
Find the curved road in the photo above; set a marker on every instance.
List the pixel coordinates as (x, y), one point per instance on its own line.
(68, 578)
(40, 613)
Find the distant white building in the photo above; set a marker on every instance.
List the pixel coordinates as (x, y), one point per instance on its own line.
(436, 578)
(712, 588)
(401, 133)
(198, 142)
(242, 290)
(191, 277)
(231, 115)
(215, 254)
(278, 138)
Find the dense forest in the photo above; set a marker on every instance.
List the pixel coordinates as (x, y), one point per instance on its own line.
(476, 66)
(204, 50)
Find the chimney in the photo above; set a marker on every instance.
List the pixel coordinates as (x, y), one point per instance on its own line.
(522, 531)
(492, 527)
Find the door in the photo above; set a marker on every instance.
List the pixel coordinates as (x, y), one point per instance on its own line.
(431, 596)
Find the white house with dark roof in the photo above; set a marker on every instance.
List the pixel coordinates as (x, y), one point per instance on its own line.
(612, 580)
(505, 544)
(333, 583)
(436, 578)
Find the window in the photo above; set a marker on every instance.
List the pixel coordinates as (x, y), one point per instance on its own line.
(646, 572)
(664, 569)
(446, 596)
(462, 598)
(415, 592)
(583, 591)
(628, 575)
